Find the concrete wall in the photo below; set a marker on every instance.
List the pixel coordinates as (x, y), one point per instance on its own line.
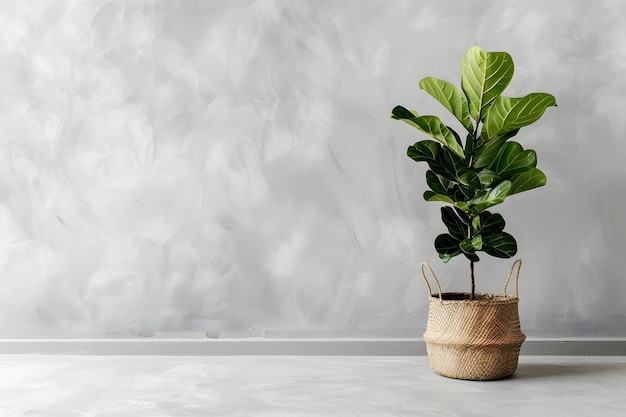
(229, 168)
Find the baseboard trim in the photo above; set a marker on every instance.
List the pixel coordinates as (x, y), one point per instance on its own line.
(263, 346)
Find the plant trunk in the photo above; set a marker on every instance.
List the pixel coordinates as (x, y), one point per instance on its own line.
(472, 277)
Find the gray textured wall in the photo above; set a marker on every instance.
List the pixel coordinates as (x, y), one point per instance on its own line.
(230, 167)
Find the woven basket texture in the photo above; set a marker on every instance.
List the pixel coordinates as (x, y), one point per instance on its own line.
(476, 339)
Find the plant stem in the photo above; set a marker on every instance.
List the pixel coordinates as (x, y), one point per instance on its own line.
(472, 276)
(470, 234)
(471, 229)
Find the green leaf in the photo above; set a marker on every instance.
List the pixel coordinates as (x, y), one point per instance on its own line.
(469, 146)
(406, 115)
(500, 245)
(448, 95)
(513, 159)
(425, 151)
(437, 183)
(491, 223)
(510, 114)
(447, 247)
(463, 215)
(487, 178)
(484, 76)
(440, 161)
(472, 257)
(490, 198)
(430, 152)
(432, 126)
(477, 242)
(527, 181)
(489, 149)
(470, 178)
(476, 225)
(452, 164)
(471, 245)
(466, 246)
(431, 196)
(446, 258)
(457, 138)
(455, 225)
(454, 193)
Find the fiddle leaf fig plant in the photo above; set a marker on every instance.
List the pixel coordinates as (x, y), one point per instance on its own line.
(472, 175)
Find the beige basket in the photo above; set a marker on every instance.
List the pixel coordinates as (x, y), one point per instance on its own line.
(476, 339)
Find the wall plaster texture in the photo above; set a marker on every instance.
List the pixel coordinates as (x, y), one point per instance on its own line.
(229, 168)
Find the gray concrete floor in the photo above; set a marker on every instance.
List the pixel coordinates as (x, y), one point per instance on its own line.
(124, 386)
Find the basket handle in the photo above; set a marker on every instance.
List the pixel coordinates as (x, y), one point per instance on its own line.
(430, 291)
(518, 262)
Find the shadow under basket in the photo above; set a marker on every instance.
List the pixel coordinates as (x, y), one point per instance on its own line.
(477, 339)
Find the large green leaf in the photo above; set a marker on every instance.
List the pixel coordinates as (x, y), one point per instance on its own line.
(490, 198)
(443, 163)
(438, 183)
(484, 76)
(477, 242)
(447, 247)
(491, 223)
(488, 150)
(469, 146)
(425, 151)
(406, 115)
(513, 159)
(430, 152)
(510, 114)
(500, 245)
(432, 196)
(441, 185)
(476, 224)
(487, 178)
(472, 257)
(432, 126)
(527, 181)
(464, 216)
(470, 178)
(455, 225)
(470, 246)
(453, 164)
(448, 95)
(477, 179)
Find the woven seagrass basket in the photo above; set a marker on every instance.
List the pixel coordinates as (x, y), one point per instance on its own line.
(476, 339)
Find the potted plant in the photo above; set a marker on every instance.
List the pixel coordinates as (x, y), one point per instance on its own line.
(475, 335)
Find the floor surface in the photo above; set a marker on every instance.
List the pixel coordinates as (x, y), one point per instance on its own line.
(125, 386)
